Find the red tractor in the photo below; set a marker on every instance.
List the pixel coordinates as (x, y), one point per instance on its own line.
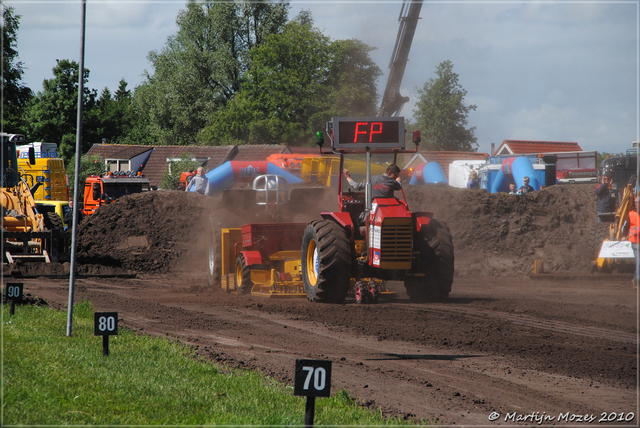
(388, 242)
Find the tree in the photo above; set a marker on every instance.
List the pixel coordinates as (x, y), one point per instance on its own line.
(52, 114)
(15, 95)
(171, 176)
(89, 165)
(441, 114)
(297, 81)
(114, 116)
(202, 67)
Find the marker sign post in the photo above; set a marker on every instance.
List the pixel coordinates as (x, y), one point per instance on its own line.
(14, 294)
(312, 379)
(105, 324)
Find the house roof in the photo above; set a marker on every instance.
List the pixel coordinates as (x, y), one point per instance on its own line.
(117, 151)
(521, 147)
(444, 158)
(259, 152)
(157, 163)
(304, 150)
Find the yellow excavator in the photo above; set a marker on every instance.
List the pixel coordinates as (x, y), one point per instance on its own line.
(608, 239)
(24, 233)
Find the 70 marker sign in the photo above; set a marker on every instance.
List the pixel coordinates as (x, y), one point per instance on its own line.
(312, 378)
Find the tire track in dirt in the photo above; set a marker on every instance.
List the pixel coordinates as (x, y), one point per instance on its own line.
(551, 325)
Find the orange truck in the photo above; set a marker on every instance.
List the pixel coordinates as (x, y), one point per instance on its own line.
(102, 190)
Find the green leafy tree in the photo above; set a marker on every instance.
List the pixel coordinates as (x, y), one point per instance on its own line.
(52, 113)
(15, 95)
(297, 81)
(441, 114)
(171, 176)
(89, 165)
(202, 67)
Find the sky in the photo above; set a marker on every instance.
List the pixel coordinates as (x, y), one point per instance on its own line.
(552, 71)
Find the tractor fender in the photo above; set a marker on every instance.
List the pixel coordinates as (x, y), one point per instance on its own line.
(252, 257)
(343, 219)
(422, 220)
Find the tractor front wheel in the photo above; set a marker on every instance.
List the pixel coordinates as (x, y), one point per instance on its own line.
(326, 262)
(243, 276)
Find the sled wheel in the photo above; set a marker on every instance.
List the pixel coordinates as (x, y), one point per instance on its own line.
(437, 264)
(326, 262)
(243, 276)
(360, 293)
(374, 291)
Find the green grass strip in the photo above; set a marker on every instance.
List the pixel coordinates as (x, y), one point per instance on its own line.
(52, 379)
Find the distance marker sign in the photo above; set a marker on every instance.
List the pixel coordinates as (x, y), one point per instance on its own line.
(312, 378)
(105, 324)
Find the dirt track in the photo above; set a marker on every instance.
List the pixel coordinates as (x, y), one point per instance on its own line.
(503, 343)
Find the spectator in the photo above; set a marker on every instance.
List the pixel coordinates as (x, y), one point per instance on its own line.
(68, 216)
(199, 183)
(526, 187)
(383, 185)
(606, 200)
(512, 188)
(473, 180)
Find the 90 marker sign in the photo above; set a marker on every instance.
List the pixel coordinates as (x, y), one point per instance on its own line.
(14, 294)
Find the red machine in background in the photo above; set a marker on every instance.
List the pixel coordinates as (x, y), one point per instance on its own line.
(101, 190)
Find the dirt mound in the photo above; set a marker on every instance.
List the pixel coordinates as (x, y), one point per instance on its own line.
(501, 233)
(493, 234)
(145, 232)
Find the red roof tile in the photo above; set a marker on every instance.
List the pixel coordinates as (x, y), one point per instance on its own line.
(521, 147)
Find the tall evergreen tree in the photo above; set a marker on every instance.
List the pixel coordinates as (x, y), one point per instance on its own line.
(441, 114)
(52, 113)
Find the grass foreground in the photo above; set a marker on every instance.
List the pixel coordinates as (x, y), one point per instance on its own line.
(51, 379)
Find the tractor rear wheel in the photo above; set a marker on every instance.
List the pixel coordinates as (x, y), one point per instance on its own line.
(52, 221)
(214, 258)
(326, 262)
(436, 263)
(243, 276)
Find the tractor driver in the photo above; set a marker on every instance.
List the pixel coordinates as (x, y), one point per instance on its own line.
(382, 185)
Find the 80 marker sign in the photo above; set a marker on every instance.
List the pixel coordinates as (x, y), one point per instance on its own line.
(105, 324)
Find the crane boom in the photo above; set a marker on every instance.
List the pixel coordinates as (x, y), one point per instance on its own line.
(392, 100)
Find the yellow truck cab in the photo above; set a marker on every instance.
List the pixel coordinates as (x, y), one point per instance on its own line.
(49, 170)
